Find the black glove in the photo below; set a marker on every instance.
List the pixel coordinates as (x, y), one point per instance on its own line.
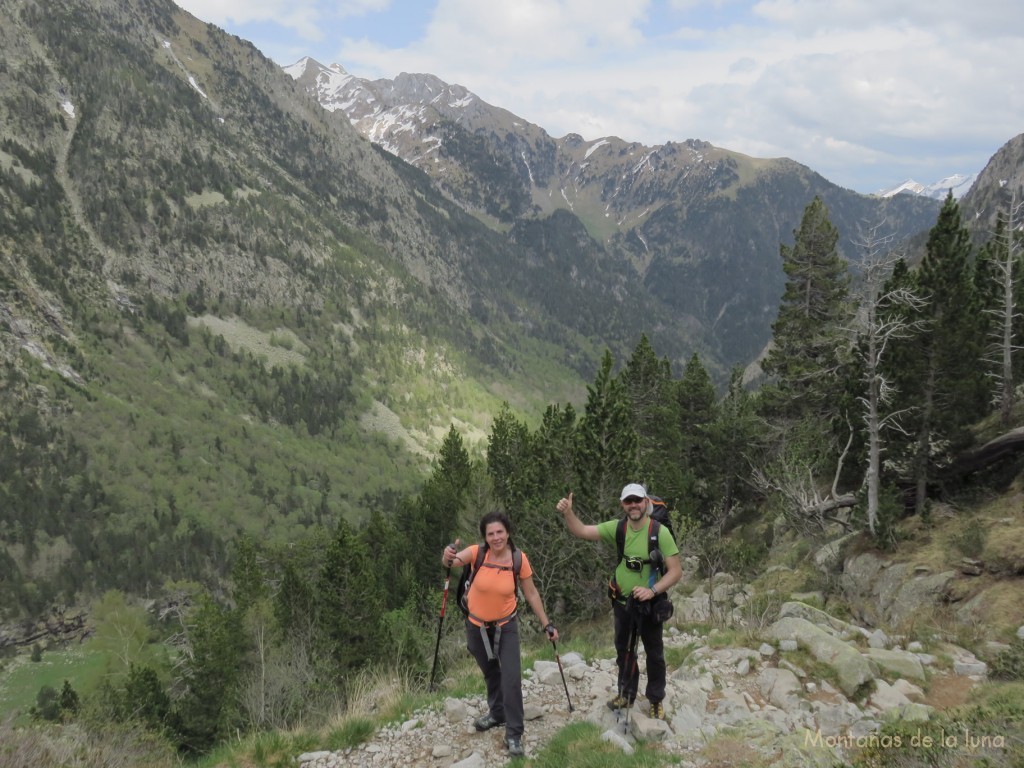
(550, 629)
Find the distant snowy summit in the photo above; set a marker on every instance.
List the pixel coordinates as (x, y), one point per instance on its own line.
(958, 182)
(331, 84)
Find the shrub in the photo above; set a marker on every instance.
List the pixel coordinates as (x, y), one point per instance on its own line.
(54, 706)
(989, 732)
(761, 610)
(970, 540)
(1009, 665)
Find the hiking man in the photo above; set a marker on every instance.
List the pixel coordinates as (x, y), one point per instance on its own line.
(636, 589)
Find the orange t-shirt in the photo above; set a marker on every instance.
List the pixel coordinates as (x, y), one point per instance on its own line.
(492, 595)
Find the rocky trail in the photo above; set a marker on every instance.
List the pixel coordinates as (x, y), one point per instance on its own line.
(724, 705)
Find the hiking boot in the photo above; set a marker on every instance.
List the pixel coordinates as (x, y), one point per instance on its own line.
(657, 710)
(487, 722)
(515, 746)
(620, 702)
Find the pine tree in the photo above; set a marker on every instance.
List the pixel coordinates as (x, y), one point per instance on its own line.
(939, 373)
(697, 411)
(508, 458)
(350, 600)
(206, 710)
(737, 434)
(808, 336)
(647, 381)
(434, 520)
(553, 448)
(606, 446)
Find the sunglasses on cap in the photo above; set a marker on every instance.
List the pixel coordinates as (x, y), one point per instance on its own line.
(632, 500)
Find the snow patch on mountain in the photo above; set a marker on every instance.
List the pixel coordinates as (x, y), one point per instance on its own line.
(595, 145)
(959, 183)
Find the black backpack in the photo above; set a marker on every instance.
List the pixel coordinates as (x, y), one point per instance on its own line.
(468, 571)
(659, 512)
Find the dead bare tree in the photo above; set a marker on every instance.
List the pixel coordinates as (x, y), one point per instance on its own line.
(808, 509)
(1005, 248)
(881, 318)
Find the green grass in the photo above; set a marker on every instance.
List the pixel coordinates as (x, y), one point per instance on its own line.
(677, 656)
(266, 750)
(580, 745)
(21, 679)
(350, 733)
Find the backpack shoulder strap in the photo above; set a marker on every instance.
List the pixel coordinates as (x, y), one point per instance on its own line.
(481, 554)
(470, 572)
(653, 530)
(517, 565)
(620, 538)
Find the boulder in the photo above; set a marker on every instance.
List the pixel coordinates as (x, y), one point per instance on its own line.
(878, 639)
(780, 687)
(827, 558)
(889, 663)
(852, 669)
(886, 697)
(693, 609)
(908, 689)
(648, 729)
(817, 616)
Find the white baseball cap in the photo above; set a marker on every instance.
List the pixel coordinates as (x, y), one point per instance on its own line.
(633, 489)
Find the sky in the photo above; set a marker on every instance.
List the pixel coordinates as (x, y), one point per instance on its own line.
(868, 93)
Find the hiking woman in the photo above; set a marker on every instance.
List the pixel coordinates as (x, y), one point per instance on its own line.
(492, 630)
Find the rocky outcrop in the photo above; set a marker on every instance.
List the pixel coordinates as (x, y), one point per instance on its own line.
(884, 592)
(57, 629)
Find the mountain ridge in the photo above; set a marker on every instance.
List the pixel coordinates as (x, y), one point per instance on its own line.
(681, 215)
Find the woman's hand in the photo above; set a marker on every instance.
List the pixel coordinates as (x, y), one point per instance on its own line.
(449, 553)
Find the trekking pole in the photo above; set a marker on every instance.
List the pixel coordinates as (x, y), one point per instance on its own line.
(562, 673)
(440, 620)
(633, 663)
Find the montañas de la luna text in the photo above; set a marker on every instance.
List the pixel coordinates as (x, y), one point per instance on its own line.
(965, 739)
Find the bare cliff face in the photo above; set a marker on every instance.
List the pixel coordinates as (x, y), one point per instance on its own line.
(1000, 185)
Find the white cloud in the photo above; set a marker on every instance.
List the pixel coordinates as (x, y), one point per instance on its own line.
(304, 17)
(866, 92)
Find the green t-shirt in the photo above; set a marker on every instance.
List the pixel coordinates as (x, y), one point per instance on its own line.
(636, 546)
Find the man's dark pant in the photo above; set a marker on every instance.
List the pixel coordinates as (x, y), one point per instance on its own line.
(502, 674)
(654, 646)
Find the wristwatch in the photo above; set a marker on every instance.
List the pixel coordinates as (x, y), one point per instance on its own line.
(654, 589)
